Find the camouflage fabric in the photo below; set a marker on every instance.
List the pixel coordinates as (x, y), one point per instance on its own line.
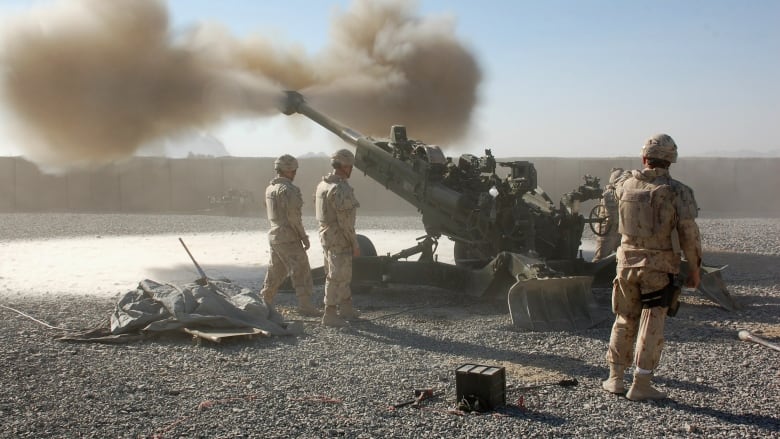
(343, 157)
(283, 203)
(336, 212)
(660, 146)
(652, 207)
(632, 323)
(286, 163)
(607, 244)
(338, 277)
(288, 259)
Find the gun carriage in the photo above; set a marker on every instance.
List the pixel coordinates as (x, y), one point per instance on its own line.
(510, 238)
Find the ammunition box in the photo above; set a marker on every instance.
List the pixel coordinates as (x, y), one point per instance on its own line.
(483, 384)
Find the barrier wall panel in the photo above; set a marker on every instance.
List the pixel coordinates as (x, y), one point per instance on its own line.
(95, 191)
(252, 174)
(546, 174)
(80, 192)
(756, 186)
(602, 167)
(709, 180)
(36, 191)
(310, 173)
(106, 189)
(569, 177)
(145, 185)
(723, 186)
(192, 182)
(7, 184)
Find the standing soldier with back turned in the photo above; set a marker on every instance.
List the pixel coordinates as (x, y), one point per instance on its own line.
(336, 211)
(287, 237)
(654, 209)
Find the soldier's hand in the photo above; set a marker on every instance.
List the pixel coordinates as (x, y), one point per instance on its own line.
(355, 251)
(306, 243)
(694, 278)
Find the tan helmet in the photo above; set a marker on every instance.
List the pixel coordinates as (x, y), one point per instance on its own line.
(615, 173)
(342, 157)
(286, 163)
(660, 146)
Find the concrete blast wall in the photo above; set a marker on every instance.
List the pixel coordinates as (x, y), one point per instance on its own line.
(723, 186)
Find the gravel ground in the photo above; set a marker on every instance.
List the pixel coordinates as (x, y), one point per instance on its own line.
(341, 382)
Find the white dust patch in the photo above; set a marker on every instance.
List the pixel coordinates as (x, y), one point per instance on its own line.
(108, 266)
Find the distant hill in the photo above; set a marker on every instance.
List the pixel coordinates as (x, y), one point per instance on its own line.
(192, 144)
(314, 155)
(744, 153)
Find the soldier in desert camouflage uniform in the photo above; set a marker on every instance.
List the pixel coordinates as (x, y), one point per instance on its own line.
(653, 208)
(287, 237)
(336, 210)
(610, 241)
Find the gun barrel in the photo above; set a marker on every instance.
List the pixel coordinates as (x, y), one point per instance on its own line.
(293, 102)
(376, 162)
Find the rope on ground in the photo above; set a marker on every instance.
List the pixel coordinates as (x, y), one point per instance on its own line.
(36, 320)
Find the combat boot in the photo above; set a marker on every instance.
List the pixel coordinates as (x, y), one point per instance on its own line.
(615, 384)
(642, 390)
(331, 317)
(305, 308)
(347, 311)
(268, 297)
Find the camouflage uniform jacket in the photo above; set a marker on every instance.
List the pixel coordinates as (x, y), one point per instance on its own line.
(283, 202)
(610, 199)
(336, 207)
(652, 206)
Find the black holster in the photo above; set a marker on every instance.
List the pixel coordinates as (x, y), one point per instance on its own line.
(667, 296)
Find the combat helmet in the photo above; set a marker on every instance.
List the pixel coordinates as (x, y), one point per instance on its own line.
(660, 146)
(614, 174)
(342, 157)
(286, 163)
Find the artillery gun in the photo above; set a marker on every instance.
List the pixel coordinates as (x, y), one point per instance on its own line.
(510, 237)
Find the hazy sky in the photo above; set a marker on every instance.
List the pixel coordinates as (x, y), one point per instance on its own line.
(561, 78)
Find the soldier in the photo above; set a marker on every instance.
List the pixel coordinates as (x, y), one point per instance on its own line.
(653, 208)
(287, 237)
(336, 204)
(610, 240)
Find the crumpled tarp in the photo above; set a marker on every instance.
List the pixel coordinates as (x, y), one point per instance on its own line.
(159, 307)
(154, 307)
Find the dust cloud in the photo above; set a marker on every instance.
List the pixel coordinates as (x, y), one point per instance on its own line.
(90, 81)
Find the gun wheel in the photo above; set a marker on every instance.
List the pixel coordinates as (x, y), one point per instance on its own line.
(366, 246)
(597, 220)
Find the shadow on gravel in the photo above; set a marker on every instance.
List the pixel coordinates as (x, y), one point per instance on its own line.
(768, 423)
(235, 273)
(745, 266)
(513, 411)
(686, 331)
(403, 337)
(687, 385)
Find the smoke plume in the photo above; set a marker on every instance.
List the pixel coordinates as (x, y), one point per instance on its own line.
(90, 81)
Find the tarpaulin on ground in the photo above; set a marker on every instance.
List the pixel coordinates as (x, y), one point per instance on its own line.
(155, 308)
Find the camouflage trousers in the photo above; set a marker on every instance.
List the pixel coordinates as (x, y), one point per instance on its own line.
(288, 259)
(633, 324)
(338, 275)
